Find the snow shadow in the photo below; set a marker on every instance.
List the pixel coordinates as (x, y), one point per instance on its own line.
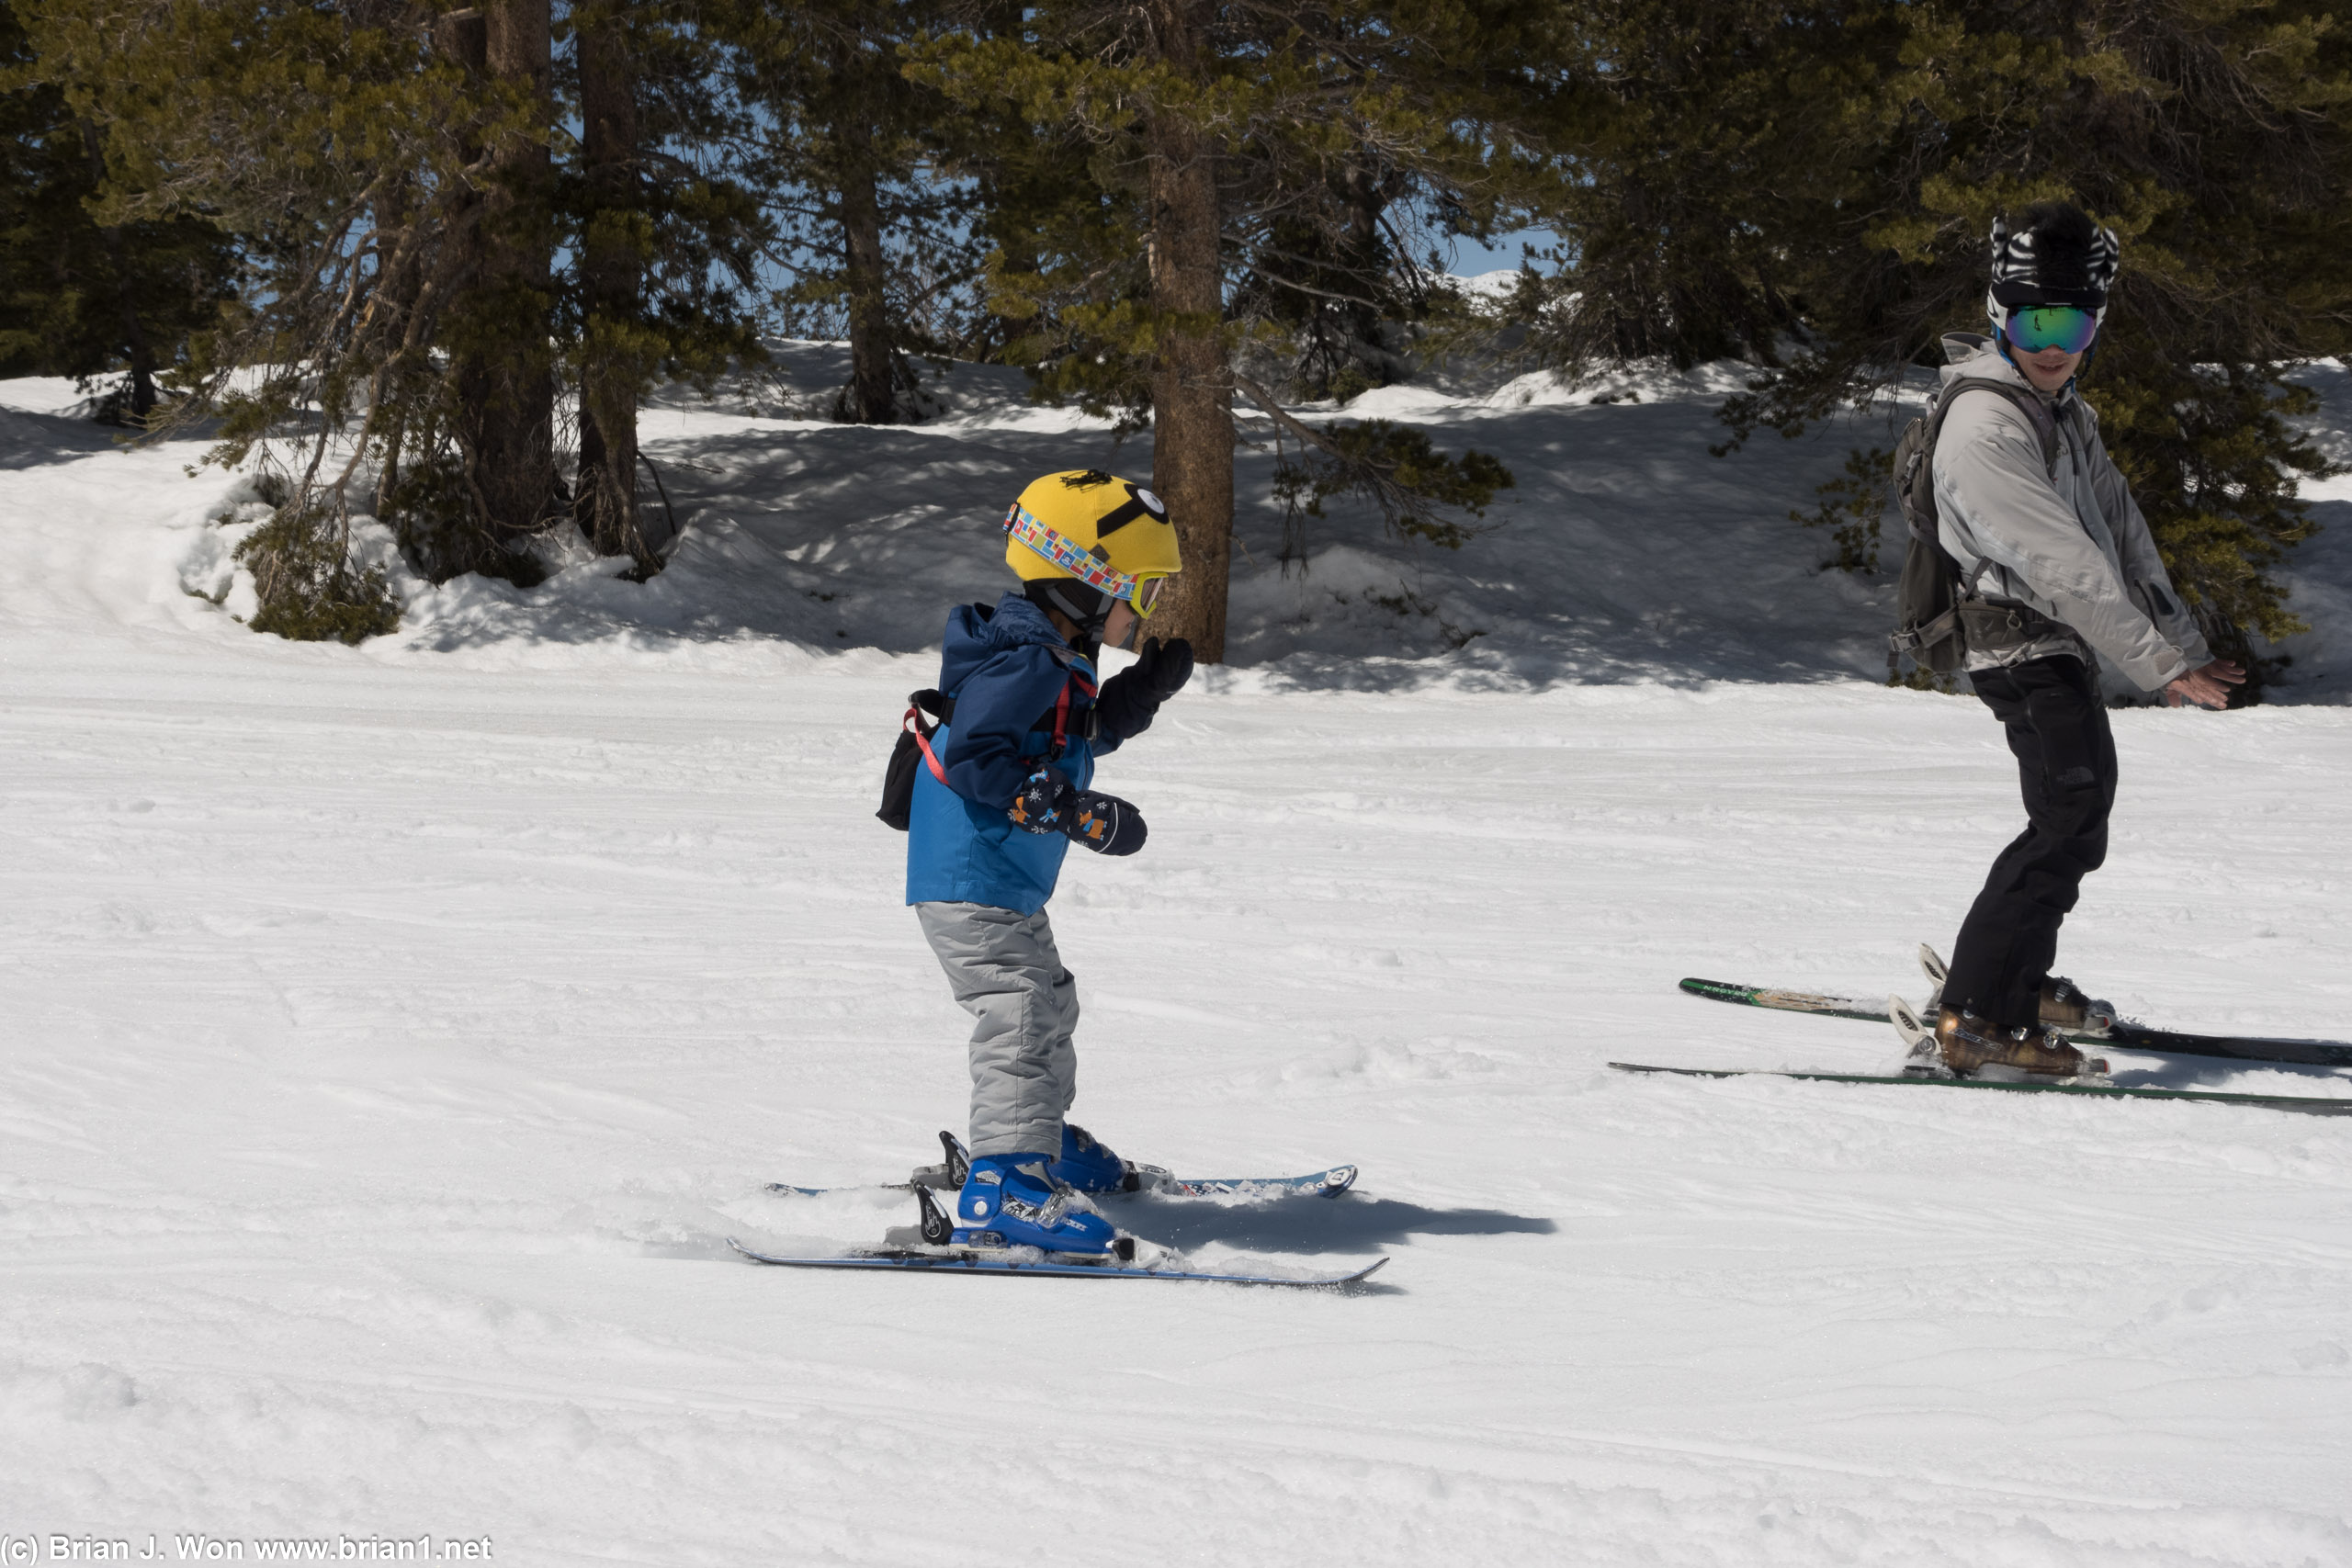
(2230, 1076)
(1351, 1223)
(1626, 552)
(829, 536)
(33, 440)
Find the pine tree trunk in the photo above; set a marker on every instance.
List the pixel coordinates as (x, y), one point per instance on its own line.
(506, 381)
(437, 551)
(134, 332)
(394, 212)
(604, 500)
(1191, 396)
(870, 397)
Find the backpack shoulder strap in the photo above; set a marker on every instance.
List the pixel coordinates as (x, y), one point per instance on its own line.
(2037, 414)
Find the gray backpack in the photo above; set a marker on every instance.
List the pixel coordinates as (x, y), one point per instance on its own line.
(1938, 621)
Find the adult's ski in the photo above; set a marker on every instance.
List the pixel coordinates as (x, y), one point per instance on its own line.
(2308, 1104)
(948, 1176)
(978, 1260)
(2123, 1034)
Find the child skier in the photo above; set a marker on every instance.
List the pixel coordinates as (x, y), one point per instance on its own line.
(1005, 789)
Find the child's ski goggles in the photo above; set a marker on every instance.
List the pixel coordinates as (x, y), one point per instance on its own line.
(2068, 328)
(1144, 593)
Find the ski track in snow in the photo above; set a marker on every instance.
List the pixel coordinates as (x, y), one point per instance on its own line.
(396, 1034)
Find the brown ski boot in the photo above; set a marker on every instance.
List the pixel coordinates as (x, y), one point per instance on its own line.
(1968, 1044)
(2067, 1010)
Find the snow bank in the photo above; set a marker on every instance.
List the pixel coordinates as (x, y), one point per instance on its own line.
(1625, 553)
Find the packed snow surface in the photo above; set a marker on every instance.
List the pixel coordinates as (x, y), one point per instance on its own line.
(397, 1033)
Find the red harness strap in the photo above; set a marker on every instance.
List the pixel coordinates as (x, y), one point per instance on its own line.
(1062, 709)
(1061, 726)
(923, 741)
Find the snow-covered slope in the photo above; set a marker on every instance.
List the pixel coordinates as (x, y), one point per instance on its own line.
(395, 1033)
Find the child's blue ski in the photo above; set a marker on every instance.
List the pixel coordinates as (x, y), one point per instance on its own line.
(949, 1176)
(1317, 1184)
(970, 1260)
(1314, 1184)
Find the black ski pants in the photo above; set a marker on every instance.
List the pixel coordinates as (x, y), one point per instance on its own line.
(2065, 753)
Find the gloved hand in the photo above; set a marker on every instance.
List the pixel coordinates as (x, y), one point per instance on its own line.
(1103, 823)
(1040, 808)
(1132, 697)
(1049, 803)
(1162, 668)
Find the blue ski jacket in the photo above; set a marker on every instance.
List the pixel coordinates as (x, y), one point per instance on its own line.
(1006, 669)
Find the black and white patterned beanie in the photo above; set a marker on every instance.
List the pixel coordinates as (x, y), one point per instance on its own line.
(2057, 256)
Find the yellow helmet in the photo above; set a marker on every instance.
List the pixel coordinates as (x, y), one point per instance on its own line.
(1108, 533)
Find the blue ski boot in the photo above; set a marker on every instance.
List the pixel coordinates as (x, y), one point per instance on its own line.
(1009, 1201)
(1089, 1166)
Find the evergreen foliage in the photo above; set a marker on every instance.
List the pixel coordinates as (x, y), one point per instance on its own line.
(1828, 172)
(77, 297)
(1201, 178)
(384, 237)
(426, 248)
(662, 225)
(307, 588)
(1852, 507)
(849, 152)
(1418, 488)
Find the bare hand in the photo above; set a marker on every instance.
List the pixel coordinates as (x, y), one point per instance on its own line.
(2206, 688)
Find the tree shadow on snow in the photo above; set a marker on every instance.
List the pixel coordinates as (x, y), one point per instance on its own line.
(1351, 1223)
(33, 440)
(840, 537)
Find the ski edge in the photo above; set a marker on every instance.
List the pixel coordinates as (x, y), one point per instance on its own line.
(949, 1264)
(2310, 1104)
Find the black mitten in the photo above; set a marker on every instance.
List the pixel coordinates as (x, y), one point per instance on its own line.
(1045, 801)
(1103, 823)
(1131, 697)
(1164, 667)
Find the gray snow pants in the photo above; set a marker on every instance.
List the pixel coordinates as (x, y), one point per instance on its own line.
(1006, 974)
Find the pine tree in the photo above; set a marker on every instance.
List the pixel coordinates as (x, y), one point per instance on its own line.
(848, 153)
(1695, 131)
(403, 187)
(1821, 178)
(78, 298)
(1180, 174)
(664, 235)
(612, 281)
(503, 314)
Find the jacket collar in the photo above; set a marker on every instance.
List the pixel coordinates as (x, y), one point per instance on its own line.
(1979, 357)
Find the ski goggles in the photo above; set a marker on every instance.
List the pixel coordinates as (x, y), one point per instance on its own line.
(1145, 594)
(2067, 328)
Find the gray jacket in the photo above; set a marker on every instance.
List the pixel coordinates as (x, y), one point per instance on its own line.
(2072, 544)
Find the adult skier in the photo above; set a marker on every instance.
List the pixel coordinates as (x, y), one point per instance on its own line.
(2067, 569)
(1006, 789)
